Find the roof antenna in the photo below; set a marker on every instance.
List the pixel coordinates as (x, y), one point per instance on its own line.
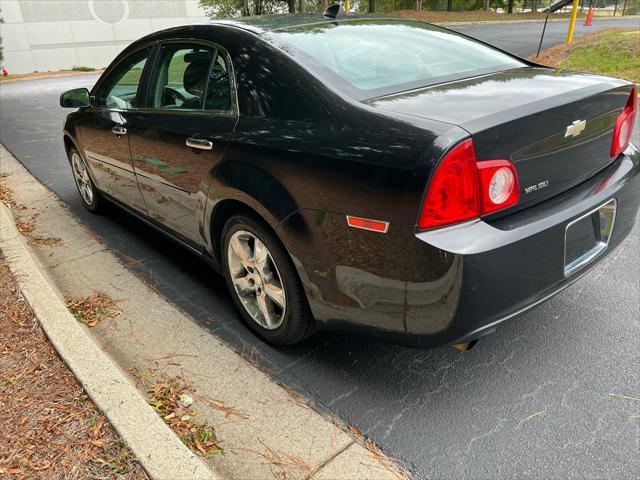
(333, 11)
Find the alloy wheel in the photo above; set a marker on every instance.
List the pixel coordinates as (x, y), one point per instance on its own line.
(256, 279)
(81, 176)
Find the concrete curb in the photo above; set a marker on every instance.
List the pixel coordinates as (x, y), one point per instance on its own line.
(159, 451)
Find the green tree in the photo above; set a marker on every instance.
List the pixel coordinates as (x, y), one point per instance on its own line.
(242, 8)
(237, 8)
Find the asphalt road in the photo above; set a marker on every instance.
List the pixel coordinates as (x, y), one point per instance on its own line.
(552, 394)
(522, 39)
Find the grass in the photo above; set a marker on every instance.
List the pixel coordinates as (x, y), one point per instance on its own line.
(612, 52)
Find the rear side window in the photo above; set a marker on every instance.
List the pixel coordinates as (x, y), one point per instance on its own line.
(179, 77)
(119, 90)
(370, 58)
(189, 77)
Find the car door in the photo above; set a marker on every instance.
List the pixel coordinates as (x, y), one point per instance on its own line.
(103, 132)
(181, 134)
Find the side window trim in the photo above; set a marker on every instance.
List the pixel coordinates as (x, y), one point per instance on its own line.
(143, 88)
(214, 58)
(141, 92)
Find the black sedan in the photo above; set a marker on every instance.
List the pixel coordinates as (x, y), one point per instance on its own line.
(359, 171)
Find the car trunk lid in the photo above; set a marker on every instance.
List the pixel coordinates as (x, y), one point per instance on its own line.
(555, 126)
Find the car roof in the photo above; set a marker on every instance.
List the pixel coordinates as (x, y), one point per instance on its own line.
(268, 23)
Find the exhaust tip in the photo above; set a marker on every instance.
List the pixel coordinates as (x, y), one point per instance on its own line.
(465, 347)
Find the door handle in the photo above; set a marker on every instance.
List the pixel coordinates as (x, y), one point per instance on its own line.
(118, 130)
(199, 143)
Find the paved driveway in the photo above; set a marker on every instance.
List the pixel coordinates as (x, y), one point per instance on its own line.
(553, 394)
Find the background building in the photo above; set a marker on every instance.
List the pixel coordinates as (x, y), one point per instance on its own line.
(41, 35)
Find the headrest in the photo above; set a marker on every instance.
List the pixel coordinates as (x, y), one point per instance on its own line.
(195, 76)
(195, 56)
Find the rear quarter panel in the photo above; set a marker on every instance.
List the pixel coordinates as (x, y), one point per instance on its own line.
(304, 157)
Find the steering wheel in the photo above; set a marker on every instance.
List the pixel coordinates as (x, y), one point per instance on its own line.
(117, 102)
(176, 95)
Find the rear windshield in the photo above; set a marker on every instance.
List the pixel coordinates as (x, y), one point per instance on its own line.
(369, 58)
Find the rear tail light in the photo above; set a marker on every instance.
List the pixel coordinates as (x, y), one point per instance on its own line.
(453, 193)
(498, 185)
(624, 125)
(463, 187)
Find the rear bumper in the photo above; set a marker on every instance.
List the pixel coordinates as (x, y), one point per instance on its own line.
(472, 276)
(517, 262)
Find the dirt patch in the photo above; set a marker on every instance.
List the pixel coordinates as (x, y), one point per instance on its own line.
(57, 73)
(50, 428)
(553, 56)
(93, 309)
(612, 51)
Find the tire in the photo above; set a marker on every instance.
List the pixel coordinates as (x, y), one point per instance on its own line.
(258, 276)
(89, 194)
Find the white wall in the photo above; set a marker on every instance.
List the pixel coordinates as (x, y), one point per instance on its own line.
(41, 35)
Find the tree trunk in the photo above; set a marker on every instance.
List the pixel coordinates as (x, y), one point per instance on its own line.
(485, 5)
(301, 6)
(324, 4)
(449, 5)
(534, 5)
(510, 6)
(372, 6)
(418, 5)
(292, 6)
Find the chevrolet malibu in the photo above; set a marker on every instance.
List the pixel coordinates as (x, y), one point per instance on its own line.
(362, 172)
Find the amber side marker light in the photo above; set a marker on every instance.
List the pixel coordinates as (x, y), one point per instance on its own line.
(368, 224)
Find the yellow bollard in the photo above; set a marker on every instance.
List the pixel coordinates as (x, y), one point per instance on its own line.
(346, 6)
(574, 15)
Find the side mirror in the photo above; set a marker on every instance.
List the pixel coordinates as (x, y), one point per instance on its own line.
(76, 98)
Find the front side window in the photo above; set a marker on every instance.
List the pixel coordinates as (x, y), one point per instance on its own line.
(120, 89)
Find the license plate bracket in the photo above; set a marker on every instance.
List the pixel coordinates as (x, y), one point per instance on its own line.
(588, 236)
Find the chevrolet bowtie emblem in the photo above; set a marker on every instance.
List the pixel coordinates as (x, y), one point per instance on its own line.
(575, 128)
